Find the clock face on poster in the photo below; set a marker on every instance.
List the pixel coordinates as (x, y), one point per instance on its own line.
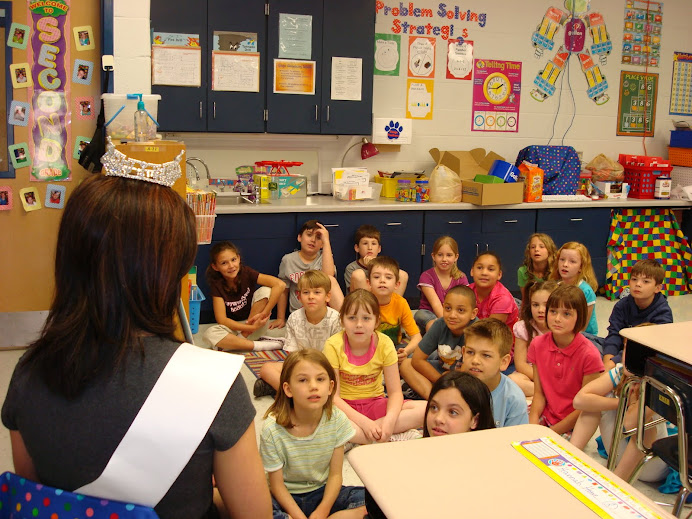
(496, 88)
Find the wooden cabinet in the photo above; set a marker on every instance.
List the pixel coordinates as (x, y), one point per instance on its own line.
(338, 29)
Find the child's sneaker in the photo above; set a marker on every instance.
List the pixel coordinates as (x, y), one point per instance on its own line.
(411, 434)
(262, 388)
(409, 393)
(269, 343)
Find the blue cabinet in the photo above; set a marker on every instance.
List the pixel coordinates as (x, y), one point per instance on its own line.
(263, 239)
(585, 225)
(401, 232)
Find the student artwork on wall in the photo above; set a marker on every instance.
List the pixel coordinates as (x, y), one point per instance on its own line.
(83, 37)
(387, 54)
(30, 199)
(232, 41)
(19, 113)
(82, 71)
(55, 196)
(641, 38)
(421, 57)
(5, 198)
(21, 75)
(84, 107)
(18, 37)
(496, 96)
(419, 98)
(80, 143)
(460, 59)
(19, 155)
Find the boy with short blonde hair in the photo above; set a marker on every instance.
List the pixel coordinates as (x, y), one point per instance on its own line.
(644, 304)
(367, 245)
(485, 355)
(308, 327)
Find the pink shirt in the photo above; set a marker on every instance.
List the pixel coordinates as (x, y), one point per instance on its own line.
(562, 370)
(499, 301)
(429, 279)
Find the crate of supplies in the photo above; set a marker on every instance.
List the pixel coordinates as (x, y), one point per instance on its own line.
(641, 173)
(680, 156)
(196, 298)
(205, 228)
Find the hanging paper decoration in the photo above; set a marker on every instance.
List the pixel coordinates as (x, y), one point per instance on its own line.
(49, 137)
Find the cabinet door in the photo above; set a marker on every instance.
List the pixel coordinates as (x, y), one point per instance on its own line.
(588, 226)
(236, 111)
(182, 108)
(294, 113)
(349, 32)
(463, 226)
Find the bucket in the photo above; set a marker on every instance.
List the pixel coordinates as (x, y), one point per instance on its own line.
(196, 298)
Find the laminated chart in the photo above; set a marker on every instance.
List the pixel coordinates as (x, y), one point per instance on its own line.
(681, 86)
(603, 496)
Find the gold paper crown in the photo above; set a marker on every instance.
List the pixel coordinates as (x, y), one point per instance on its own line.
(117, 164)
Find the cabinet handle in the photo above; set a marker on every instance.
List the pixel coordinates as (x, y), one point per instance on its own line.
(327, 113)
(200, 109)
(511, 221)
(316, 119)
(393, 223)
(331, 224)
(576, 219)
(476, 249)
(457, 222)
(214, 109)
(486, 247)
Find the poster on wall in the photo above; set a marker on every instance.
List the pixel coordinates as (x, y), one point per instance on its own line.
(176, 66)
(295, 36)
(681, 85)
(421, 57)
(48, 54)
(496, 95)
(235, 71)
(637, 104)
(294, 77)
(641, 38)
(387, 54)
(419, 98)
(235, 41)
(460, 59)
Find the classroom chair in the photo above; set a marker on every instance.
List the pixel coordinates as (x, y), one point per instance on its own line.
(21, 498)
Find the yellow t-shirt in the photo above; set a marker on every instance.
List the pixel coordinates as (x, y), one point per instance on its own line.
(364, 381)
(395, 316)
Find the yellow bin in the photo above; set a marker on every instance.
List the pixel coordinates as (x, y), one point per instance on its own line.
(388, 186)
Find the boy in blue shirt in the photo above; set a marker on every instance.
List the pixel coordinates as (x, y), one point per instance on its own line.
(485, 355)
(440, 348)
(644, 304)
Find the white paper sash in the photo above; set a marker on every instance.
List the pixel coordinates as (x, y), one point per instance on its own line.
(168, 428)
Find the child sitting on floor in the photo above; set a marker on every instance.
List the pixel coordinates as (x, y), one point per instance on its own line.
(308, 327)
(563, 361)
(302, 443)
(360, 357)
(242, 299)
(539, 257)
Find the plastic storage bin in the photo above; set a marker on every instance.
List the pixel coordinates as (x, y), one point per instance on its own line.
(680, 156)
(120, 113)
(196, 298)
(641, 173)
(681, 139)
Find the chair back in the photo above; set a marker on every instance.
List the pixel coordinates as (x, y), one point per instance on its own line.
(21, 498)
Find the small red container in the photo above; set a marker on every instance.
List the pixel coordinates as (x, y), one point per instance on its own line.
(641, 173)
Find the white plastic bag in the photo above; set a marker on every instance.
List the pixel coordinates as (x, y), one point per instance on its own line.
(445, 185)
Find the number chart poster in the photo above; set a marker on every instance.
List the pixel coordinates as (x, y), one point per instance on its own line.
(496, 95)
(637, 106)
(681, 86)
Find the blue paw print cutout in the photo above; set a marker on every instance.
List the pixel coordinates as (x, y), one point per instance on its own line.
(393, 130)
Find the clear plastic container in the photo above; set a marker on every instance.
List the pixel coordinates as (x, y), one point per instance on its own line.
(404, 191)
(422, 191)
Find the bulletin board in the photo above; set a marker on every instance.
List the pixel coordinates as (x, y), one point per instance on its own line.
(637, 104)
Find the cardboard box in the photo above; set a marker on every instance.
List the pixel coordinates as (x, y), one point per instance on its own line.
(613, 189)
(468, 164)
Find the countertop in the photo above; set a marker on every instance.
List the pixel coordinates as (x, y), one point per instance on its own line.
(328, 204)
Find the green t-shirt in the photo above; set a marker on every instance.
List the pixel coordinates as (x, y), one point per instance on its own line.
(523, 276)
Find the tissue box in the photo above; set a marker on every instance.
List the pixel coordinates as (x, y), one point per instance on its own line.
(612, 189)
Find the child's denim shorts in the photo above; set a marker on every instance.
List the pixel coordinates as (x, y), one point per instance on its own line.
(349, 497)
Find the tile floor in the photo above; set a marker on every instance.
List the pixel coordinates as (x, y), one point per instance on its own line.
(682, 311)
